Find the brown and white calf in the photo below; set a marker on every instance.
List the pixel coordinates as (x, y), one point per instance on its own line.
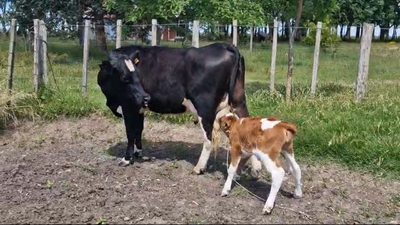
(265, 138)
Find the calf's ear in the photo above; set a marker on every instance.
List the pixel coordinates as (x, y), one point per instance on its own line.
(226, 122)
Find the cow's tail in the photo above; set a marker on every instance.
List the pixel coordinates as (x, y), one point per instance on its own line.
(236, 101)
(237, 98)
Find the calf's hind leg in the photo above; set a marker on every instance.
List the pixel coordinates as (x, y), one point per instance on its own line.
(295, 170)
(277, 174)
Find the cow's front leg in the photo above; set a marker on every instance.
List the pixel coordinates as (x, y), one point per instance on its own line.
(137, 152)
(133, 126)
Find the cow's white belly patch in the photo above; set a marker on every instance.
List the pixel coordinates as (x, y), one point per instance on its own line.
(189, 106)
(119, 110)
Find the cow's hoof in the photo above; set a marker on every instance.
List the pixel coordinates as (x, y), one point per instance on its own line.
(123, 162)
(138, 155)
(198, 171)
(255, 174)
(267, 210)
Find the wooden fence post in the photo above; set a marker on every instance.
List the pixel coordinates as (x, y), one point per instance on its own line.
(153, 32)
(363, 64)
(36, 55)
(273, 57)
(251, 38)
(11, 56)
(43, 50)
(195, 35)
(86, 42)
(235, 33)
(119, 34)
(316, 59)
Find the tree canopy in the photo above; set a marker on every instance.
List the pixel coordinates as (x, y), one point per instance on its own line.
(384, 13)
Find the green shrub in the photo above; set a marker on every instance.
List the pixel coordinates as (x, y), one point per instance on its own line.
(328, 39)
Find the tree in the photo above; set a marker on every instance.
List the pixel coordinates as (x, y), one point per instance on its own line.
(291, 51)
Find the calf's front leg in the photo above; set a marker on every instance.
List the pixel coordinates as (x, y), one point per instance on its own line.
(235, 160)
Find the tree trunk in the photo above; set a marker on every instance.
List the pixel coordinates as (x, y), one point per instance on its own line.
(271, 30)
(384, 33)
(101, 39)
(358, 31)
(3, 25)
(291, 51)
(160, 31)
(347, 37)
(341, 31)
(394, 35)
(373, 34)
(287, 27)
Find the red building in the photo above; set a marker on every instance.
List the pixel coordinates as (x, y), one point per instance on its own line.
(169, 34)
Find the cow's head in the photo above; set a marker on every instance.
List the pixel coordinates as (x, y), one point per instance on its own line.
(119, 82)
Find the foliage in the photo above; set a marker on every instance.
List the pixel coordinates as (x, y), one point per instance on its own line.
(328, 39)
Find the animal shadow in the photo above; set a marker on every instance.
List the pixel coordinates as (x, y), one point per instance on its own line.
(190, 152)
(173, 150)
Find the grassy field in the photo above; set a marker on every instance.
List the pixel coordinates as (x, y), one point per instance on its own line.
(331, 126)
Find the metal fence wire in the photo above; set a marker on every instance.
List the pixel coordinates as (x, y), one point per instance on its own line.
(67, 66)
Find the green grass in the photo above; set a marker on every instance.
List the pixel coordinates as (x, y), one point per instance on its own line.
(331, 126)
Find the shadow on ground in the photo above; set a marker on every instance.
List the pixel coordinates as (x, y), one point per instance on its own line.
(190, 152)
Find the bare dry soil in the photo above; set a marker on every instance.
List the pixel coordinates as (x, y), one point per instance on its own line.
(66, 172)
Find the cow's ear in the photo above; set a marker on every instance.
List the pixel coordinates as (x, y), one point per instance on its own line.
(104, 64)
(136, 57)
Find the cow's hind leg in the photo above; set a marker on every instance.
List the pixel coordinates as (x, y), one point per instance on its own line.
(207, 126)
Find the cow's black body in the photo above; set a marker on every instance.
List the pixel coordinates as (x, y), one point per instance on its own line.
(205, 76)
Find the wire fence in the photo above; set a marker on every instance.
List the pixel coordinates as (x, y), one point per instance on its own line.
(338, 64)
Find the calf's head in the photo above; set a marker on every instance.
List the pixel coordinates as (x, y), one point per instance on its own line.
(227, 121)
(119, 82)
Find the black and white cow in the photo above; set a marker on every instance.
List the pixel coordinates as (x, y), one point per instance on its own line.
(207, 81)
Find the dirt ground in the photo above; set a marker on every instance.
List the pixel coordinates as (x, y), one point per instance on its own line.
(66, 172)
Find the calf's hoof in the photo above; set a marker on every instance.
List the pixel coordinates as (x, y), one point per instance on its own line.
(123, 162)
(297, 195)
(224, 193)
